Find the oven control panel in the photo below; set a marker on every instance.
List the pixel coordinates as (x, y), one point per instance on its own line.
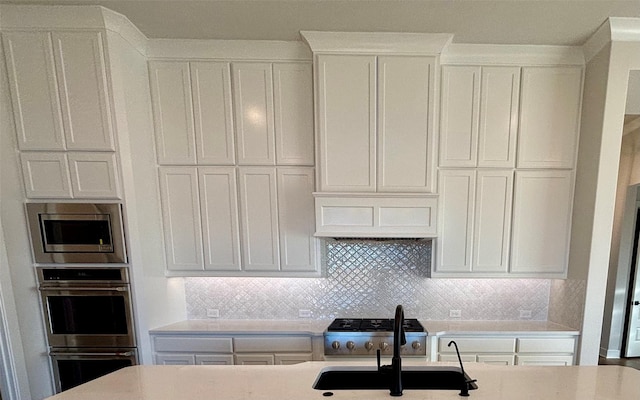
(363, 344)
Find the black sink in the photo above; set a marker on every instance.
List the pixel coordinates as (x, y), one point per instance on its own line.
(413, 378)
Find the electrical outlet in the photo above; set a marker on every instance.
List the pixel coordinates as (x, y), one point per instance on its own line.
(525, 314)
(304, 313)
(455, 313)
(213, 313)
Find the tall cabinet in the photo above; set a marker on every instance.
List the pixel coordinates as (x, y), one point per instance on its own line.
(507, 154)
(235, 154)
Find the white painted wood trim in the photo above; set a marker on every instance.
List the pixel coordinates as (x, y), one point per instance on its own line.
(227, 50)
(376, 42)
(597, 41)
(625, 29)
(493, 54)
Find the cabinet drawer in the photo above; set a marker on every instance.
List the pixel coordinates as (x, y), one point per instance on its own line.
(478, 345)
(454, 358)
(545, 360)
(544, 345)
(285, 344)
(195, 344)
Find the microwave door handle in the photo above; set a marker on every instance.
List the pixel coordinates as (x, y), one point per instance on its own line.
(116, 354)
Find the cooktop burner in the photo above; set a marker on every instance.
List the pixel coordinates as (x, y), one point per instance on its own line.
(373, 325)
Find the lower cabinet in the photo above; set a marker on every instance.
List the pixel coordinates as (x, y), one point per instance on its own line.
(232, 350)
(509, 350)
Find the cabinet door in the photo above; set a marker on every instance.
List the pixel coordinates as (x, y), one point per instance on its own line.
(499, 97)
(541, 222)
(494, 191)
(82, 80)
(347, 122)
(293, 96)
(181, 217)
(405, 93)
(93, 175)
(545, 360)
(45, 175)
(34, 90)
(459, 116)
(253, 100)
(290, 359)
(549, 117)
(259, 219)
(254, 359)
(175, 359)
(212, 110)
(219, 210)
(457, 196)
(172, 112)
(211, 359)
(296, 219)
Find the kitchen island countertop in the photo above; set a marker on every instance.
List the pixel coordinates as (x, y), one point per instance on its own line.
(293, 382)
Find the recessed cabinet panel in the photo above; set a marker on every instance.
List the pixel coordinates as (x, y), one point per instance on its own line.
(82, 83)
(259, 219)
(219, 210)
(346, 121)
(172, 112)
(210, 359)
(253, 100)
(459, 116)
(34, 90)
(212, 111)
(45, 175)
(296, 222)
(254, 359)
(549, 117)
(457, 197)
(405, 92)
(492, 221)
(498, 116)
(93, 175)
(293, 97)
(541, 222)
(181, 216)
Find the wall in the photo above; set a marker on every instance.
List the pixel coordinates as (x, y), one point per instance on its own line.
(368, 279)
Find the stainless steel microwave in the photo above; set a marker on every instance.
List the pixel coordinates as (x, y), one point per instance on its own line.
(76, 232)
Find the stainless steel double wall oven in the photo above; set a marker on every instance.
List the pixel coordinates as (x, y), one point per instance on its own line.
(84, 286)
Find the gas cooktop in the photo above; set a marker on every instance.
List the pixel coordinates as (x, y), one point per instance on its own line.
(372, 325)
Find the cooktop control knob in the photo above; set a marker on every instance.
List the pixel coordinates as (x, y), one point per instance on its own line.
(384, 346)
(416, 345)
(351, 345)
(368, 345)
(335, 345)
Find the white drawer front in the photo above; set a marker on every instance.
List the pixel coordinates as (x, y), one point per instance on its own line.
(285, 344)
(195, 344)
(543, 345)
(477, 345)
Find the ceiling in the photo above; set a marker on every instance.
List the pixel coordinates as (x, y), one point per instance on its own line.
(551, 22)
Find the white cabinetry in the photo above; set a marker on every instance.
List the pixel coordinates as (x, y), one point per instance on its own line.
(204, 219)
(60, 78)
(194, 103)
(212, 349)
(77, 175)
(522, 349)
(356, 94)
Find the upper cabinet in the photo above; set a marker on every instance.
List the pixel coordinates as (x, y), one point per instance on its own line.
(375, 123)
(59, 77)
(194, 104)
(487, 111)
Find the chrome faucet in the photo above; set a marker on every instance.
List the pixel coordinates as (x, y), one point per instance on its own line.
(395, 369)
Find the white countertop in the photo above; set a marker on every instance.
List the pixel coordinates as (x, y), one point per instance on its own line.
(317, 327)
(293, 382)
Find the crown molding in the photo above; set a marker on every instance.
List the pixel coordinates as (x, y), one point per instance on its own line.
(250, 50)
(614, 29)
(492, 54)
(377, 42)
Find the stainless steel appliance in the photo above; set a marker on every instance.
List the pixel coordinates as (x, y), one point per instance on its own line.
(76, 232)
(88, 320)
(363, 337)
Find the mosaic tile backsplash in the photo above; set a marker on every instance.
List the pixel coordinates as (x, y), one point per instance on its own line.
(368, 279)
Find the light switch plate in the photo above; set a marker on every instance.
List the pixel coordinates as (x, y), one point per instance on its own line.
(213, 313)
(455, 313)
(304, 313)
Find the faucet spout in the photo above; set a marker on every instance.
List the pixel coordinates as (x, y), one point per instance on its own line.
(399, 339)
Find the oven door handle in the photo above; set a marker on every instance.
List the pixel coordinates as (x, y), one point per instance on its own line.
(68, 288)
(116, 354)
